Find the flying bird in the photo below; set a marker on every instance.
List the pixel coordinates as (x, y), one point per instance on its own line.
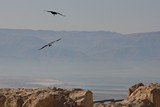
(54, 13)
(50, 44)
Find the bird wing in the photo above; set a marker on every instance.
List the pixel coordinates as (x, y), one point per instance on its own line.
(47, 11)
(61, 14)
(58, 39)
(50, 44)
(55, 41)
(43, 47)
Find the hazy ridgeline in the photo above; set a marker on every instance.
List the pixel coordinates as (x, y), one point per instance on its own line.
(96, 60)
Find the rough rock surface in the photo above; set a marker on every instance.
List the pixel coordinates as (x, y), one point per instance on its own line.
(144, 96)
(141, 96)
(45, 97)
(133, 88)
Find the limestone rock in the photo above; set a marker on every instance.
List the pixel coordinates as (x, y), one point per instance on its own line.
(13, 101)
(82, 98)
(45, 97)
(141, 96)
(2, 100)
(133, 88)
(144, 96)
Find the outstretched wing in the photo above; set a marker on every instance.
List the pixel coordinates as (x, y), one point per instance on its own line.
(50, 44)
(55, 41)
(47, 11)
(43, 47)
(58, 39)
(61, 14)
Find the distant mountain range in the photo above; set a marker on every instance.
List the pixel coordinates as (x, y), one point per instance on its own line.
(83, 46)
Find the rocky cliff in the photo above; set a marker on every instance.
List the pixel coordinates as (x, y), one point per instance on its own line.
(139, 96)
(45, 97)
(144, 96)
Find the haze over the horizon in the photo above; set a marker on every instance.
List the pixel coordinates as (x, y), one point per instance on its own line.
(101, 58)
(90, 15)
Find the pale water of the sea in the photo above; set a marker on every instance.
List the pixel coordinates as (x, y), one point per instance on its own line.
(104, 89)
(106, 82)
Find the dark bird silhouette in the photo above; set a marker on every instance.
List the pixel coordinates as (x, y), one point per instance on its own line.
(54, 13)
(50, 44)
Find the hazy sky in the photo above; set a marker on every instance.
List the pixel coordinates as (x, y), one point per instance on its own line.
(123, 16)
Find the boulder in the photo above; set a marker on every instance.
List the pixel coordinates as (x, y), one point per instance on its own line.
(2, 100)
(133, 88)
(13, 101)
(45, 97)
(140, 96)
(144, 96)
(154, 96)
(82, 98)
